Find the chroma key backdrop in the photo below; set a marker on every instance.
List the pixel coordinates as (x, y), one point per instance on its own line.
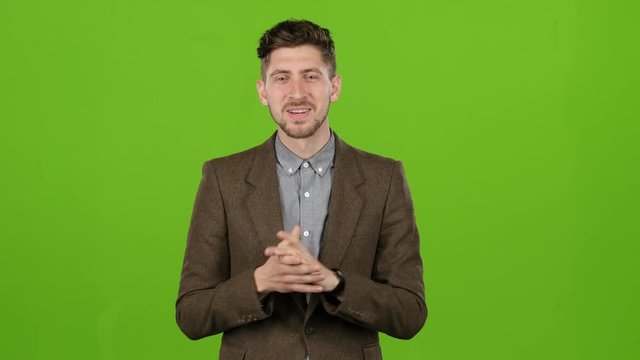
(516, 121)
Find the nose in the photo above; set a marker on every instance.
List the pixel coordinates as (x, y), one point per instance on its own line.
(297, 90)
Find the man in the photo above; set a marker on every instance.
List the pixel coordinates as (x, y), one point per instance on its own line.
(349, 265)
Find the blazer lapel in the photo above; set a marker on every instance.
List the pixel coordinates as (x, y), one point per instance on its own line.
(344, 206)
(344, 210)
(263, 200)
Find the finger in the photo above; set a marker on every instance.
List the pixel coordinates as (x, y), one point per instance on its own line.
(292, 256)
(283, 244)
(290, 260)
(269, 251)
(295, 232)
(281, 235)
(293, 236)
(300, 250)
(296, 245)
(301, 269)
(301, 288)
(276, 251)
(301, 279)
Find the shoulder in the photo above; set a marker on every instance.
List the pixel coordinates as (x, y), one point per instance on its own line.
(233, 160)
(372, 165)
(242, 159)
(370, 158)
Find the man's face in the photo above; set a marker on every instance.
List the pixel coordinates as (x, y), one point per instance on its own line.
(298, 89)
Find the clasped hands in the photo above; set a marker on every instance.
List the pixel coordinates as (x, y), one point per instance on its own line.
(291, 268)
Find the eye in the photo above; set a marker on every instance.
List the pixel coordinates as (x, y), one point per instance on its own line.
(280, 78)
(312, 77)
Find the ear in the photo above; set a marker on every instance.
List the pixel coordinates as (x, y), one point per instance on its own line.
(262, 94)
(336, 87)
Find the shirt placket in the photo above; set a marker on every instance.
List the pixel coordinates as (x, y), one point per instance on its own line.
(306, 209)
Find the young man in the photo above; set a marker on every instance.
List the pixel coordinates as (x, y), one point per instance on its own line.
(348, 264)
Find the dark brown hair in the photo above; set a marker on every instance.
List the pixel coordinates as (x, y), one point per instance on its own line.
(292, 33)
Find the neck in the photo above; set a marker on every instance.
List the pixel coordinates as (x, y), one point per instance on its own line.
(307, 147)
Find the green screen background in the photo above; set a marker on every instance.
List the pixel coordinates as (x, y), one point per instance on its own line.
(516, 122)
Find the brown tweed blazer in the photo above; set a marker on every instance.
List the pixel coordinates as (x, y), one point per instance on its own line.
(370, 234)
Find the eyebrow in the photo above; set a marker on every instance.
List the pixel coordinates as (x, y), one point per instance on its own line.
(303, 71)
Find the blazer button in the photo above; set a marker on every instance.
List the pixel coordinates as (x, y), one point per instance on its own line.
(309, 330)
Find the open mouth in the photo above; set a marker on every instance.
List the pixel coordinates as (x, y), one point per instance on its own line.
(298, 111)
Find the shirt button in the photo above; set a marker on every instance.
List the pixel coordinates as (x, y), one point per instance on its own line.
(305, 164)
(305, 233)
(319, 169)
(309, 330)
(290, 170)
(306, 194)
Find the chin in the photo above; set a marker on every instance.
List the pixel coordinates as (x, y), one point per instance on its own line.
(299, 133)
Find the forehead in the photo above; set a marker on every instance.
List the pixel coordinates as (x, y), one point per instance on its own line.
(296, 58)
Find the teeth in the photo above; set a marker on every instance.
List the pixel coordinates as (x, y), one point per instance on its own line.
(298, 111)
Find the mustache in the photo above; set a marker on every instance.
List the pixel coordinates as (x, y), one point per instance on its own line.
(299, 103)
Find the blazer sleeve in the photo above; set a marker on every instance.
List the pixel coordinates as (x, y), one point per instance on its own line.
(210, 300)
(391, 300)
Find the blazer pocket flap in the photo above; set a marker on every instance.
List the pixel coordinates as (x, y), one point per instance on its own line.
(372, 352)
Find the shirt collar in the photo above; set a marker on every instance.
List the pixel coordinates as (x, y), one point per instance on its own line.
(319, 162)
